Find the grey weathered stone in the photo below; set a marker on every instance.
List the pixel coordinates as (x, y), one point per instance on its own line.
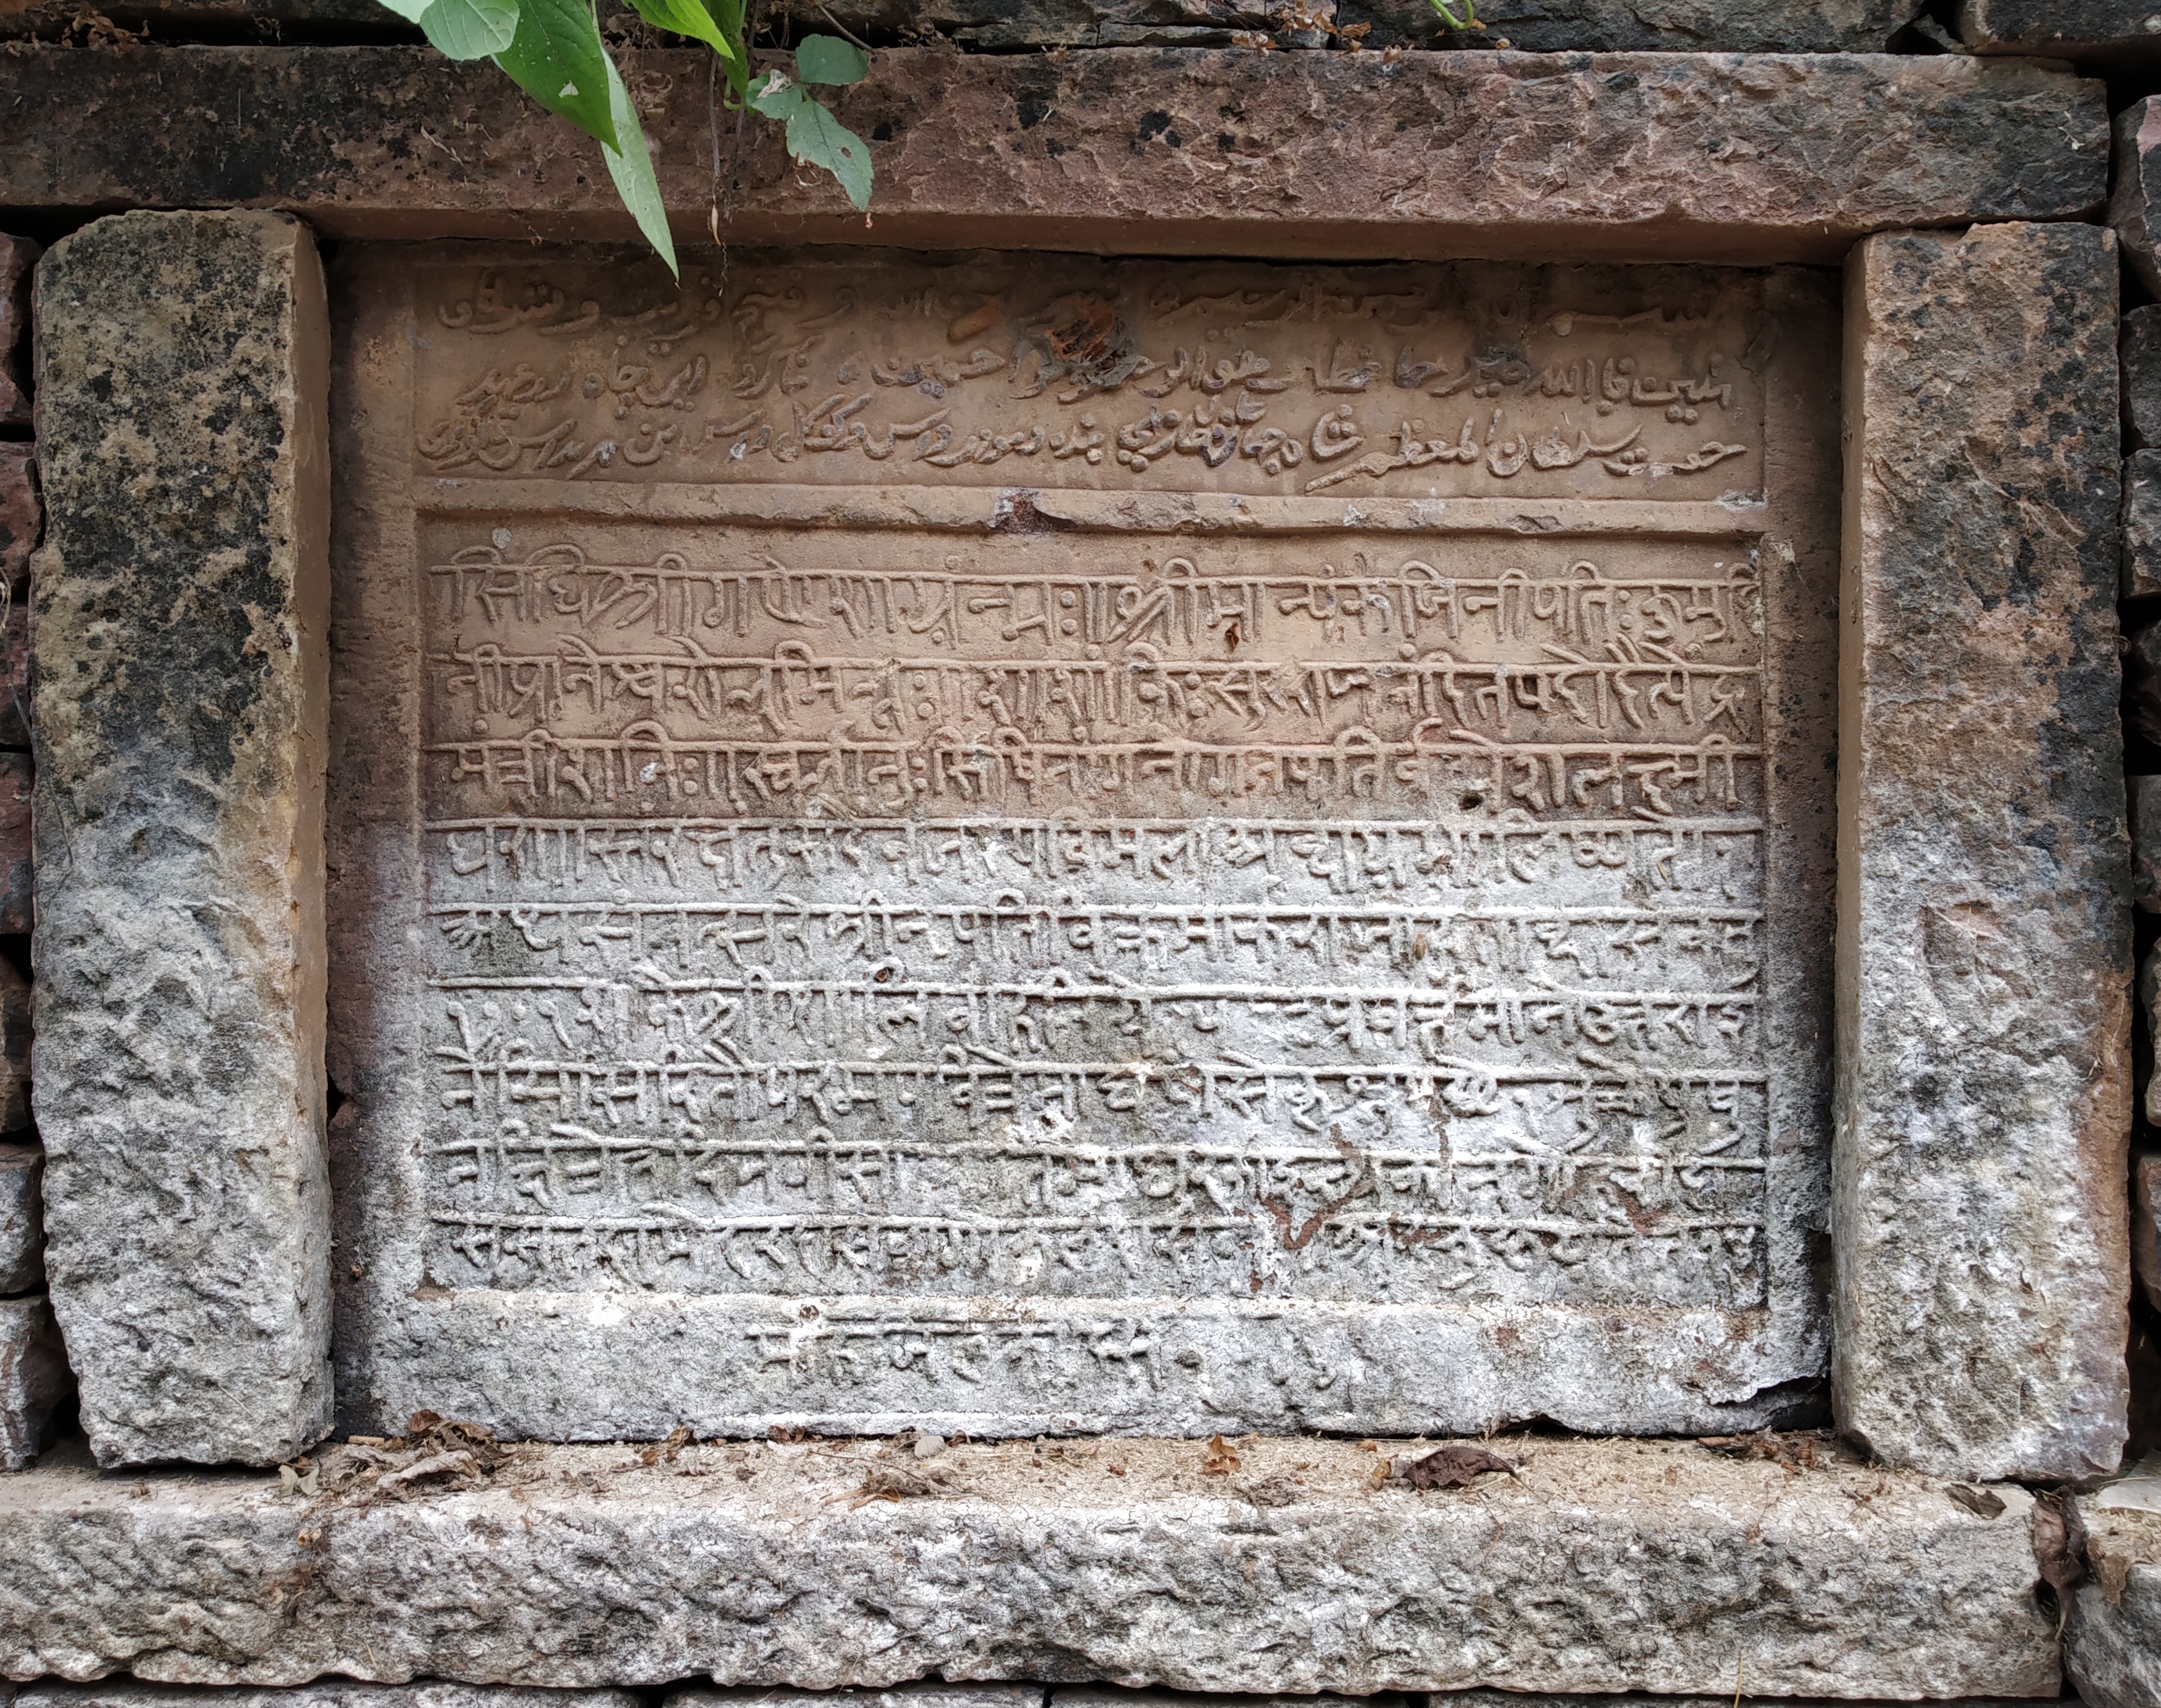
(931, 1694)
(17, 257)
(2141, 525)
(325, 1693)
(2146, 1225)
(2138, 353)
(2103, 36)
(2145, 797)
(1641, 26)
(2112, 1635)
(22, 1219)
(2136, 182)
(181, 594)
(1985, 955)
(1751, 159)
(1114, 1696)
(34, 1377)
(1603, 1565)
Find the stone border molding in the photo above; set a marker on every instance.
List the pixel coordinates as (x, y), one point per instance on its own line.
(1979, 1221)
(181, 597)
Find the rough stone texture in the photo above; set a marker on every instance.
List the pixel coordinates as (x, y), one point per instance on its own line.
(19, 512)
(2138, 353)
(928, 1694)
(2145, 796)
(15, 676)
(2142, 682)
(327, 1693)
(1714, 158)
(17, 868)
(17, 257)
(2103, 36)
(2136, 182)
(22, 1220)
(2141, 525)
(1985, 953)
(182, 599)
(14, 1049)
(1607, 1566)
(2146, 1223)
(2113, 1636)
(216, 20)
(34, 1377)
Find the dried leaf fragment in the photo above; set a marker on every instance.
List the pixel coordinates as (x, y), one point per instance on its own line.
(2059, 1543)
(1979, 1502)
(1456, 1466)
(1219, 1460)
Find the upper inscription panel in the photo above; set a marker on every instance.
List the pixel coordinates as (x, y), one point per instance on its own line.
(802, 963)
(1068, 371)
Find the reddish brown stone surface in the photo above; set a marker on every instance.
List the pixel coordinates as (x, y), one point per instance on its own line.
(17, 887)
(17, 256)
(20, 512)
(1627, 157)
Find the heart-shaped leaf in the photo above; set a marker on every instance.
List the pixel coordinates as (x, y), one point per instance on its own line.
(826, 59)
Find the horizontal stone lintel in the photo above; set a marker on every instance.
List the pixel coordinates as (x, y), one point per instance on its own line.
(1599, 1566)
(1628, 157)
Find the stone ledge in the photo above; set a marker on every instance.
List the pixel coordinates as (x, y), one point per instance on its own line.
(1609, 1565)
(1718, 157)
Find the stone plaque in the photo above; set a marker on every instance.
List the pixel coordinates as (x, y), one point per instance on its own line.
(1027, 843)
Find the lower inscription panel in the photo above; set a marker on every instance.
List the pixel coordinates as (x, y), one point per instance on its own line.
(804, 965)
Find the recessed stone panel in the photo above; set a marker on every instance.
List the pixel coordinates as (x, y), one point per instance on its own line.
(1032, 843)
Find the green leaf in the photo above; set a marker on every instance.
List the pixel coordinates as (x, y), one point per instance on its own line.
(729, 15)
(814, 135)
(775, 96)
(411, 11)
(826, 59)
(557, 59)
(632, 167)
(471, 30)
(684, 18)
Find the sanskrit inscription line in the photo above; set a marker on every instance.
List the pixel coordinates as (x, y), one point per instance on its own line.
(1171, 603)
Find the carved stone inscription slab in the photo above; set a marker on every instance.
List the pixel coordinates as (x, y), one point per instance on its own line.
(832, 930)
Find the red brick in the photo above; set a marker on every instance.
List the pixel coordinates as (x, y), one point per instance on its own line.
(21, 514)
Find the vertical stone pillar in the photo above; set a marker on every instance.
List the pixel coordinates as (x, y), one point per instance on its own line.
(181, 597)
(1984, 954)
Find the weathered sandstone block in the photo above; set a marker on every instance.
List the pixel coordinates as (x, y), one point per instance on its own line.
(2138, 351)
(2103, 35)
(2112, 1638)
(327, 1693)
(34, 1377)
(18, 864)
(2136, 182)
(2144, 794)
(17, 256)
(1601, 1565)
(180, 597)
(929, 1694)
(1627, 157)
(22, 1219)
(2141, 525)
(2146, 1223)
(19, 512)
(1985, 955)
